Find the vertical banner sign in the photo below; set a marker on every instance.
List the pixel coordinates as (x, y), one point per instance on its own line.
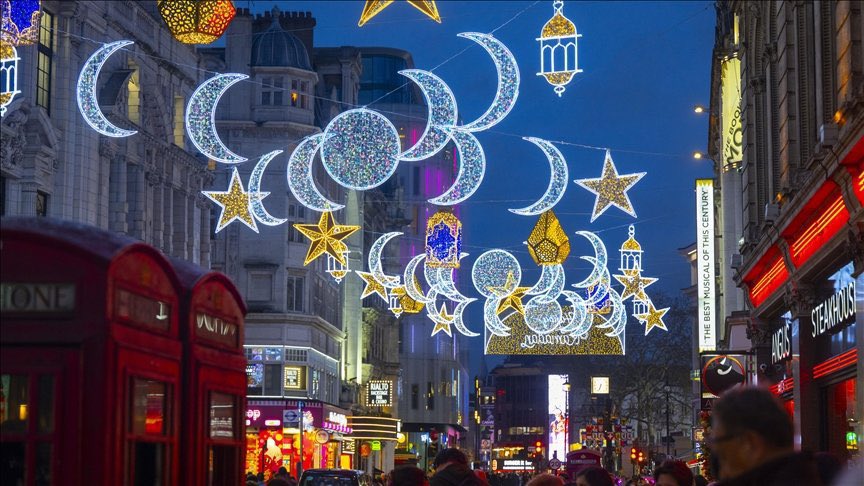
(730, 99)
(558, 420)
(706, 313)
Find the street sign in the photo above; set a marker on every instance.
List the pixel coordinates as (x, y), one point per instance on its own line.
(554, 463)
(290, 416)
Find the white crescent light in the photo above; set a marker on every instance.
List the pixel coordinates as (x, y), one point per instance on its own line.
(408, 278)
(255, 194)
(88, 103)
(618, 319)
(375, 261)
(551, 282)
(557, 182)
(300, 178)
(472, 166)
(458, 321)
(443, 113)
(508, 82)
(580, 320)
(599, 260)
(491, 320)
(201, 118)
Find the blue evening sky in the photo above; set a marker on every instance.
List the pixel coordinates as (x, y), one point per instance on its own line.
(646, 64)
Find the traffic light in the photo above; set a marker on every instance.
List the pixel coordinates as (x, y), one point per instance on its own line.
(633, 454)
(640, 458)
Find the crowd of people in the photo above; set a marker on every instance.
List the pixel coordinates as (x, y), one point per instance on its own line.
(751, 444)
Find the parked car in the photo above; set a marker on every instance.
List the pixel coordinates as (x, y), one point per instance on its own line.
(330, 477)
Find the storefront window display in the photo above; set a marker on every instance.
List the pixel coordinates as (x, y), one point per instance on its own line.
(841, 406)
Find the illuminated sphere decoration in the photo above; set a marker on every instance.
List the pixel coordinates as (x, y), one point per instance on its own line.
(559, 57)
(21, 21)
(197, 21)
(443, 240)
(8, 75)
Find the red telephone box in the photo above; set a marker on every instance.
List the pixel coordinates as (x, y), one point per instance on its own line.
(214, 376)
(91, 357)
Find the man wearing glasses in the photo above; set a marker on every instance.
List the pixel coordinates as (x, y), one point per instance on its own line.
(751, 439)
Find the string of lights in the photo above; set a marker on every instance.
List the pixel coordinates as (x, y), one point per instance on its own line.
(643, 42)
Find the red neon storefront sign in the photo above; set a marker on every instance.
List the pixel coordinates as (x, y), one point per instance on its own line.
(768, 275)
(816, 223)
(836, 363)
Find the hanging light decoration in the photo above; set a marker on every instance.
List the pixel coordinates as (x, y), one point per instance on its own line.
(548, 244)
(395, 300)
(559, 58)
(20, 24)
(197, 21)
(336, 268)
(443, 240)
(8, 74)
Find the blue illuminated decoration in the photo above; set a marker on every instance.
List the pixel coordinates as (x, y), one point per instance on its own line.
(443, 240)
(21, 21)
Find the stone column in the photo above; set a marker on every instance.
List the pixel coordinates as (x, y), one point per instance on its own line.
(800, 300)
(179, 216)
(136, 202)
(28, 199)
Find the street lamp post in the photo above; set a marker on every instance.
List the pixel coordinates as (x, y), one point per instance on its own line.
(566, 418)
(668, 435)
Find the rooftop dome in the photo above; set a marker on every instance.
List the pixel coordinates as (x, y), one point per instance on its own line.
(277, 47)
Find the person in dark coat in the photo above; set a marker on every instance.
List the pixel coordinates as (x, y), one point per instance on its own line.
(751, 437)
(451, 469)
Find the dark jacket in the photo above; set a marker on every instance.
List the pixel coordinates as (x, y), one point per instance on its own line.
(798, 469)
(455, 475)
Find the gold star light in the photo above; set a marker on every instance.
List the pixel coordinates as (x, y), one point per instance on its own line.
(508, 288)
(634, 284)
(513, 301)
(653, 318)
(373, 286)
(374, 7)
(445, 320)
(234, 203)
(326, 238)
(611, 189)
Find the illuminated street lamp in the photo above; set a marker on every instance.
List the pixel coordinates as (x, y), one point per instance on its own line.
(566, 418)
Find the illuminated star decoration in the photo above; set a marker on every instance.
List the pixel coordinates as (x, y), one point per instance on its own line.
(444, 320)
(653, 318)
(513, 301)
(611, 189)
(326, 238)
(374, 7)
(634, 284)
(373, 286)
(234, 203)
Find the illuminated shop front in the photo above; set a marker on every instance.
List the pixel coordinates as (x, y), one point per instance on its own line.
(273, 436)
(808, 294)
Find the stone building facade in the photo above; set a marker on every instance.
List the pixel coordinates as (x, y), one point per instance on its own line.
(53, 164)
(789, 168)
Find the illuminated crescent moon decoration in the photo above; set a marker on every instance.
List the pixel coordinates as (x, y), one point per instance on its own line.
(442, 113)
(300, 178)
(201, 118)
(580, 319)
(551, 282)
(542, 315)
(557, 183)
(255, 194)
(458, 321)
(491, 319)
(599, 260)
(508, 82)
(618, 319)
(408, 277)
(88, 102)
(472, 166)
(375, 261)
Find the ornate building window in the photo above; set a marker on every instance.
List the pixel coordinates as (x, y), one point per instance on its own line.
(133, 101)
(45, 61)
(41, 203)
(179, 128)
(294, 291)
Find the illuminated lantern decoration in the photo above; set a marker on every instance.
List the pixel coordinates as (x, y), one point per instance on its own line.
(8, 75)
(21, 21)
(336, 268)
(548, 244)
(443, 240)
(559, 59)
(395, 300)
(197, 21)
